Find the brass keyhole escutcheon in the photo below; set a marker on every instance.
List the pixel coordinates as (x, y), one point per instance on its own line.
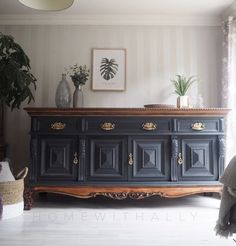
(76, 158)
(180, 159)
(130, 159)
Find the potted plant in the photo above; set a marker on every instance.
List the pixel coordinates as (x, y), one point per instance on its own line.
(79, 75)
(182, 85)
(16, 79)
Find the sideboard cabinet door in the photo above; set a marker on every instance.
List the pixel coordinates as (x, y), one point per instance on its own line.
(150, 158)
(57, 157)
(107, 156)
(198, 158)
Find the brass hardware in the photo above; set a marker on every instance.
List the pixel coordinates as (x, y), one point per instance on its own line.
(76, 159)
(130, 159)
(58, 126)
(149, 126)
(198, 126)
(107, 126)
(180, 159)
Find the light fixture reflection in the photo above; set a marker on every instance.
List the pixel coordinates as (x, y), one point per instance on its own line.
(49, 5)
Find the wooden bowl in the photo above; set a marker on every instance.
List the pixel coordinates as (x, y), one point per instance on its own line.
(159, 106)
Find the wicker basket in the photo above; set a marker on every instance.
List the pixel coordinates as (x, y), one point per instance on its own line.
(12, 191)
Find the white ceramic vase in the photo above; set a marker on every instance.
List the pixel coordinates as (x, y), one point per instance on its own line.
(183, 102)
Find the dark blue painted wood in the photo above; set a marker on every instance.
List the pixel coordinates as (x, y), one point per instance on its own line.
(106, 158)
(199, 158)
(103, 155)
(150, 158)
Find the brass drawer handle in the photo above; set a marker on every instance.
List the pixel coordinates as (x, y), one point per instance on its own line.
(58, 126)
(180, 159)
(130, 159)
(107, 126)
(198, 126)
(149, 126)
(76, 158)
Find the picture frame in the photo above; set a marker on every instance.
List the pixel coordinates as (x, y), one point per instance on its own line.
(108, 69)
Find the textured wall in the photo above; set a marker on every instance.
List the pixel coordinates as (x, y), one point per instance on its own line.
(155, 54)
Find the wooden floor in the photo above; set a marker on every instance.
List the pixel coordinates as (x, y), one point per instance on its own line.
(60, 220)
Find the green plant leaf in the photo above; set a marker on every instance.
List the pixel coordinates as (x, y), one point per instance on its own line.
(16, 78)
(182, 84)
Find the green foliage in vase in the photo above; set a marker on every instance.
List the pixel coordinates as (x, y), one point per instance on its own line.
(79, 74)
(108, 68)
(182, 84)
(16, 78)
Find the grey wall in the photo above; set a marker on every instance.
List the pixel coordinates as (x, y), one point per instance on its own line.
(155, 54)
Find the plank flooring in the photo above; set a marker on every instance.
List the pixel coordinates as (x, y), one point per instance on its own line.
(66, 221)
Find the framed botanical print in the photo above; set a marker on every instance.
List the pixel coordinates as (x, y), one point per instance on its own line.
(109, 69)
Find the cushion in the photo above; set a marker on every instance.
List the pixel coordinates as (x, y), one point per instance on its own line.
(5, 172)
(228, 177)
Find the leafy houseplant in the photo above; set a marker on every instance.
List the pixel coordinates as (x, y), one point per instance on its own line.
(182, 85)
(79, 75)
(16, 78)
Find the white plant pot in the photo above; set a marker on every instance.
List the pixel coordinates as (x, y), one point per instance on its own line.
(183, 102)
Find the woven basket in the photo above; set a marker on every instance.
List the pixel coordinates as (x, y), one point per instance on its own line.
(12, 191)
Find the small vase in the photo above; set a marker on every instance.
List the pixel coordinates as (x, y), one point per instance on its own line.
(183, 102)
(78, 97)
(63, 93)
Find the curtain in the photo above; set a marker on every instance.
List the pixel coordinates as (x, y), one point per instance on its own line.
(229, 84)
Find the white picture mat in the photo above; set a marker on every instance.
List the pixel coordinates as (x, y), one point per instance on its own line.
(116, 83)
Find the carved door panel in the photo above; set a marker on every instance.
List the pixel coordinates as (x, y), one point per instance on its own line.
(107, 156)
(149, 158)
(59, 158)
(198, 158)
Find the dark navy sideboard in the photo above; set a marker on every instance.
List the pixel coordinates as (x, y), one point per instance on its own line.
(125, 152)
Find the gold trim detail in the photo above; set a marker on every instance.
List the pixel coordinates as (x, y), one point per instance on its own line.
(58, 126)
(132, 192)
(131, 195)
(107, 126)
(198, 126)
(149, 126)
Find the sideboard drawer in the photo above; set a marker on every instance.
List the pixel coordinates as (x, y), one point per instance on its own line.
(57, 124)
(197, 125)
(148, 125)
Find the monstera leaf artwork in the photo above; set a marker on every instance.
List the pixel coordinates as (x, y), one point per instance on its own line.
(108, 68)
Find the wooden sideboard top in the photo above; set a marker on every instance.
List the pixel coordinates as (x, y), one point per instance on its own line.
(162, 112)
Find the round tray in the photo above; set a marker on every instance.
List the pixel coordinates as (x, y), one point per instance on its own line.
(159, 106)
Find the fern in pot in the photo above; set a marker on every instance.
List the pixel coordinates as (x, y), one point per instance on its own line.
(182, 85)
